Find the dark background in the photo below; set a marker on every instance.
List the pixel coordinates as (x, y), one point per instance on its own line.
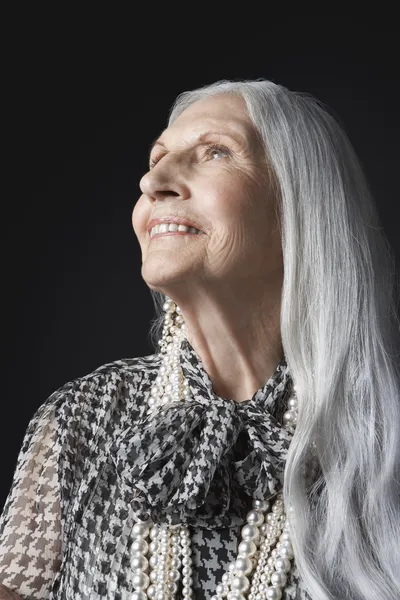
(84, 102)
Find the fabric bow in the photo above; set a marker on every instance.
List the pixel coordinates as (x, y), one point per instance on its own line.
(184, 464)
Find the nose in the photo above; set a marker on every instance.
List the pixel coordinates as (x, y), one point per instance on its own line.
(163, 181)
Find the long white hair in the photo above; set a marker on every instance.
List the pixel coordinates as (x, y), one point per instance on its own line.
(340, 333)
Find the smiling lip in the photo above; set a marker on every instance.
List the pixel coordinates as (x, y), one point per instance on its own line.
(177, 220)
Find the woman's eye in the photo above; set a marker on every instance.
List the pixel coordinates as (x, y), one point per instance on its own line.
(216, 152)
(153, 162)
(213, 151)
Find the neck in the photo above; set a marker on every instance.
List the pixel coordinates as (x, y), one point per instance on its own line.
(238, 340)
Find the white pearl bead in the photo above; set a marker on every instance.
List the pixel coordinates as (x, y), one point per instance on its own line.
(290, 417)
(185, 541)
(139, 562)
(235, 596)
(287, 552)
(254, 517)
(138, 595)
(277, 508)
(187, 581)
(174, 575)
(172, 587)
(153, 561)
(140, 580)
(260, 505)
(264, 528)
(273, 593)
(250, 532)
(222, 591)
(279, 579)
(153, 547)
(282, 564)
(175, 562)
(151, 592)
(244, 565)
(240, 583)
(139, 545)
(187, 591)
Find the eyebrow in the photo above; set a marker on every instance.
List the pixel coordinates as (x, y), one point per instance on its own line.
(201, 138)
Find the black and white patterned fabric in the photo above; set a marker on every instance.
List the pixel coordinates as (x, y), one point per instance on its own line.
(93, 463)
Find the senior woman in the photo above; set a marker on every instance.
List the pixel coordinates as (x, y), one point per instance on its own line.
(256, 453)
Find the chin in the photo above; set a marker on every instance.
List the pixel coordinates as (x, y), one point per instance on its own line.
(159, 279)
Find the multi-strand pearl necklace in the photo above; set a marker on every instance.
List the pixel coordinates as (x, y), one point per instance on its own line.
(161, 555)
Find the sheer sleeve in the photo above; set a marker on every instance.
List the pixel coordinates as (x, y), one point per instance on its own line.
(30, 525)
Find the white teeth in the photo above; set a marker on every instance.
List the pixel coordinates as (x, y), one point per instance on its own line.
(165, 227)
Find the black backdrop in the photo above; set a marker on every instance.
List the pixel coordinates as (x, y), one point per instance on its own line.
(83, 104)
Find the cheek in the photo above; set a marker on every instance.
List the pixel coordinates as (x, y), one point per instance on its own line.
(230, 203)
(225, 206)
(241, 216)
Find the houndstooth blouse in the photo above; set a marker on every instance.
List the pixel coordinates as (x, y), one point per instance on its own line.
(92, 463)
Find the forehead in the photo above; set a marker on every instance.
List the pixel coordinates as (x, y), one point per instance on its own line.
(227, 113)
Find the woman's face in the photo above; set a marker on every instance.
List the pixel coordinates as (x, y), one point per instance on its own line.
(210, 168)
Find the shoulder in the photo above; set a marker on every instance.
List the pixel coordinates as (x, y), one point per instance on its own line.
(112, 390)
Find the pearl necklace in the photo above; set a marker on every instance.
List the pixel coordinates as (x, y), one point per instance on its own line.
(161, 555)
